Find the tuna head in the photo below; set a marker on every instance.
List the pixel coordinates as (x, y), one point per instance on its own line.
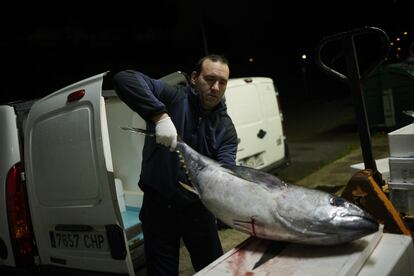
(316, 217)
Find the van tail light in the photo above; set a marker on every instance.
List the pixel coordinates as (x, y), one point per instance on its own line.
(20, 226)
(76, 96)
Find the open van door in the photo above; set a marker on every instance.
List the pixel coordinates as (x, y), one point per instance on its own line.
(72, 197)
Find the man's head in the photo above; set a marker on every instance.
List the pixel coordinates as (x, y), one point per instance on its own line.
(210, 79)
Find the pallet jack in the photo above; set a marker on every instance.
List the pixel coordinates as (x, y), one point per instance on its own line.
(366, 188)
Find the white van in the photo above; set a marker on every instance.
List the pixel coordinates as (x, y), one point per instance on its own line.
(68, 177)
(253, 105)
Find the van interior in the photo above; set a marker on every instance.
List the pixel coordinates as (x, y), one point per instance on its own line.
(126, 150)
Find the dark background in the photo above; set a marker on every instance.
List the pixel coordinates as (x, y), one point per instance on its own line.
(44, 48)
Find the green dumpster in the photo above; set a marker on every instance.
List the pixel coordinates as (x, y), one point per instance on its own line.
(388, 92)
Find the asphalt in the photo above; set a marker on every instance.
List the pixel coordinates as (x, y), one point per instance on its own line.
(324, 142)
(317, 133)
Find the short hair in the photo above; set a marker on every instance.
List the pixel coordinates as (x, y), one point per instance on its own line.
(212, 57)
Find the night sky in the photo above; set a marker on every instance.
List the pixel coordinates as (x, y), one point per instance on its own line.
(44, 48)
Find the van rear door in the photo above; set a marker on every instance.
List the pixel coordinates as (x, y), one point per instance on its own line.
(252, 105)
(76, 218)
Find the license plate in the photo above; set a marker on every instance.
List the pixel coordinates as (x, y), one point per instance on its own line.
(92, 240)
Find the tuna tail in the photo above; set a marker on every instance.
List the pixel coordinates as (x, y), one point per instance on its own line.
(180, 155)
(144, 132)
(138, 130)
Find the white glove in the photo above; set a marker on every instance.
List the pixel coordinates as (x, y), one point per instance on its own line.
(165, 133)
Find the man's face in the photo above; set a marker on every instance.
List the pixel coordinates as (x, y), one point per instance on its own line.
(211, 83)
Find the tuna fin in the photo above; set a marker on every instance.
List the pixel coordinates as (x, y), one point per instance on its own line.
(188, 188)
(273, 249)
(256, 176)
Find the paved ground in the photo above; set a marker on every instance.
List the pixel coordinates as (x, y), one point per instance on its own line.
(326, 140)
(318, 132)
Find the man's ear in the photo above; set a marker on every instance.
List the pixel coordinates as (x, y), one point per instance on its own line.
(193, 77)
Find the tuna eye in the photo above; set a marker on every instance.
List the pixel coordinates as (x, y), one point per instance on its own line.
(337, 201)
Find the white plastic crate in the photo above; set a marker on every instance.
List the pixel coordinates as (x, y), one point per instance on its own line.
(401, 170)
(401, 142)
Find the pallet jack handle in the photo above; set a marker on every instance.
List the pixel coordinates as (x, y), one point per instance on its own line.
(365, 187)
(353, 78)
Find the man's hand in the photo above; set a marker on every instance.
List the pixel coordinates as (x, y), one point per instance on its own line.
(165, 132)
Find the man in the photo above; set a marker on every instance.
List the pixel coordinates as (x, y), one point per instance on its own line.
(198, 114)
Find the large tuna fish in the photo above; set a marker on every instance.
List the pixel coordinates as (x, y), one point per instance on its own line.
(262, 205)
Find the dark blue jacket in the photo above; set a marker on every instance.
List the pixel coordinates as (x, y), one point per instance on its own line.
(210, 133)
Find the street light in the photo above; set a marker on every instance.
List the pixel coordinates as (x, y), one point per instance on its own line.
(303, 69)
